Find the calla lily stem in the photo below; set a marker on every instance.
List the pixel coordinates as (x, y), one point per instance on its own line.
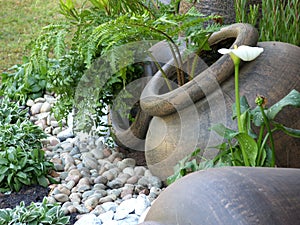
(237, 96)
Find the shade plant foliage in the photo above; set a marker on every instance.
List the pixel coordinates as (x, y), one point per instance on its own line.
(22, 160)
(34, 214)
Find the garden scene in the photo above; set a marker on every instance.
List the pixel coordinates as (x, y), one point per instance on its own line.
(151, 112)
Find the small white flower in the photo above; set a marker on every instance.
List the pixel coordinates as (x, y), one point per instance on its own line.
(246, 53)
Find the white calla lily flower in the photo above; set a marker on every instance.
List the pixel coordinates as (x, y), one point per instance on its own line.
(244, 52)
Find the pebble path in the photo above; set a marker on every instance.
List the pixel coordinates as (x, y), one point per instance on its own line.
(95, 181)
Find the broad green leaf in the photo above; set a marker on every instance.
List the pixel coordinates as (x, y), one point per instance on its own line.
(52, 212)
(5, 216)
(289, 131)
(11, 156)
(2, 176)
(17, 185)
(292, 99)
(249, 146)
(237, 156)
(258, 119)
(35, 222)
(9, 178)
(43, 181)
(269, 155)
(25, 181)
(3, 169)
(243, 104)
(3, 161)
(63, 220)
(224, 131)
(46, 220)
(22, 175)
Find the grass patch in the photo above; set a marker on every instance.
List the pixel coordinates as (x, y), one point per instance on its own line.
(21, 22)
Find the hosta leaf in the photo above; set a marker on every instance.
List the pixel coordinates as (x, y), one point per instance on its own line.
(52, 212)
(25, 181)
(43, 181)
(63, 220)
(22, 175)
(3, 169)
(3, 161)
(17, 185)
(5, 216)
(2, 176)
(35, 222)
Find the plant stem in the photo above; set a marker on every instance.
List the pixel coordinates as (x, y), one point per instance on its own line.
(237, 96)
(161, 70)
(259, 140)
(179, 63)
(266, 120)
(192, 73)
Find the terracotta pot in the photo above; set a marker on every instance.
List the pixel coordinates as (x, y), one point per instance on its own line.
(229, 196)
(183, 117)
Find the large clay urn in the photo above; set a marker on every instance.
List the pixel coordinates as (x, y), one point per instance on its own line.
(182, 117)
(230, 196)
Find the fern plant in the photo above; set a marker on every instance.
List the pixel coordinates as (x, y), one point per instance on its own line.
(63, 52)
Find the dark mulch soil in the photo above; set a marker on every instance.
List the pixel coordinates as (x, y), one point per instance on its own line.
(36, 193)
(28, 194)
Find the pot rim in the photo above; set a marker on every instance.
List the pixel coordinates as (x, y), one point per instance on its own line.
(156, 104)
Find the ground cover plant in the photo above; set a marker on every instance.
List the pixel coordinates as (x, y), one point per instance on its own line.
(34, 214)
(22, 160)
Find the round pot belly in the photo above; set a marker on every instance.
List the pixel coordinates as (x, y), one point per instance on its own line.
(273, 74)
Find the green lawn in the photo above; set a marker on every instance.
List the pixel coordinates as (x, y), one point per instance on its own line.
(21, 22)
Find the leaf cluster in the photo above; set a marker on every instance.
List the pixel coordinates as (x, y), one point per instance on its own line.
(22, 160)
(34, 214)
(255, 147)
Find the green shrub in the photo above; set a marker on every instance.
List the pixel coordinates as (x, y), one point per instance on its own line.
(22, 160)
(34, 214)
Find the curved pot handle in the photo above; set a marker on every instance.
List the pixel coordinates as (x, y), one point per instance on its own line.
(156, 104)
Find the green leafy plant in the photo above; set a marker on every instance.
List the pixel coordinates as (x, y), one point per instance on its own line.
(243, 147)
(34, 214)
(64, 51)
(22, 160)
